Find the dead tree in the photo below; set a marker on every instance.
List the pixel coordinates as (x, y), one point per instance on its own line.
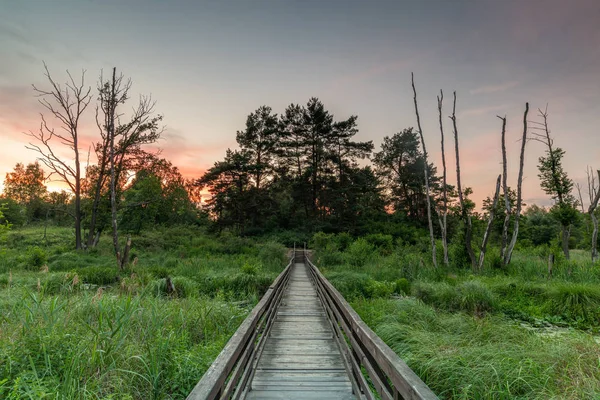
(66, 104)
(465, 213)
(507, 205)
(112, 94)
(515, 233)
(594, 192)
(426, 173)
(488, 229)
(443, 214)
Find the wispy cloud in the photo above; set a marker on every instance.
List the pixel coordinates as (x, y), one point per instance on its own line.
(482, 110)
(494, 88)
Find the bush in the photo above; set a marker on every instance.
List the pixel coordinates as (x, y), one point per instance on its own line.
(359, 252)
(35, 258)
(250, 268)
(376, 289)
(402, 286)
(330, 258)
(383, 243)
(493, 260)
(99, 275)
(323, 241)
(349, 284)
(343, 240)
(272, 253)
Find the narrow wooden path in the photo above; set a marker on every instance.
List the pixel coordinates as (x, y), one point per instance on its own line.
(304, 341)
(301, 358)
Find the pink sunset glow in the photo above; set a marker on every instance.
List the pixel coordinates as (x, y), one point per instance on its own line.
(208, 66)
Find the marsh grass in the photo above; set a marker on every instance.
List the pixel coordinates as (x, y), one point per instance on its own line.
(80, 329)
(461, 357)
(512, 333)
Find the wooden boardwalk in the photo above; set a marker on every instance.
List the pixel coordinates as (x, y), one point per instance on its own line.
(301, 358)
(304, 341)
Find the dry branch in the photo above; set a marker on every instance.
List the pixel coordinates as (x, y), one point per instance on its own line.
(426, 172)
(465, 214)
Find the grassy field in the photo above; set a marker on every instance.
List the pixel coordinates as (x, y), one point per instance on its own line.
(72, 327)
(506, 334)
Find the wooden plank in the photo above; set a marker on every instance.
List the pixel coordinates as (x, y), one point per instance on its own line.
(403, 378)
(213, 380)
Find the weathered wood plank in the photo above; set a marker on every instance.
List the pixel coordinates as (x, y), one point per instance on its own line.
(402, 377)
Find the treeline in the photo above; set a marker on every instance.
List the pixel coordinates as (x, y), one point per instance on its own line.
(128, 188)
(303, 170)
(293, 174)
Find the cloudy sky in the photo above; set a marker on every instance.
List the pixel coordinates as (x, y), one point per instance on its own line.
(208, 64)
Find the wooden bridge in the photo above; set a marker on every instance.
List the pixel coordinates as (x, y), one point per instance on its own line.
(304, 341)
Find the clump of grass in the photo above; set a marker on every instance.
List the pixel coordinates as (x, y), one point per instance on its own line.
(471, 296)
(99, 275)
(575, 301)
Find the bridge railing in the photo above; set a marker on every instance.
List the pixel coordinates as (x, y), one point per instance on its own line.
(388, 374)
(229, 374)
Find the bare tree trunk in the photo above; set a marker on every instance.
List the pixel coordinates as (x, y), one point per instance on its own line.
(594, 192)
(515, 233)
(505, 191)
(550, 265)
(91, 240)
(125, 258)
(488, 229)
(594, 237)
(113, 197)
(426, 172)
(465, 215)
(443, 219)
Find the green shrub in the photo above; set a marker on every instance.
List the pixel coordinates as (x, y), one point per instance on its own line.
(323, 241)
(493, 259)
(376, 289)
(383, 243)
(349, 284)
(402, 286)
(330, 258)
(359, 252)
(99, 275)
(343, 239)
(35, 258)
(250, 268)
(272, 253)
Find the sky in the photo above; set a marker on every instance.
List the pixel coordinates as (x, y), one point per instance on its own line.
(208, 64)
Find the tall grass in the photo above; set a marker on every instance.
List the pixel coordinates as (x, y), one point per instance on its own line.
(74, 327)
(460, 357)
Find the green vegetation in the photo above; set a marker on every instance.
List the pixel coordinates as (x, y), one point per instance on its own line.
(503, 334)
(73, 327)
